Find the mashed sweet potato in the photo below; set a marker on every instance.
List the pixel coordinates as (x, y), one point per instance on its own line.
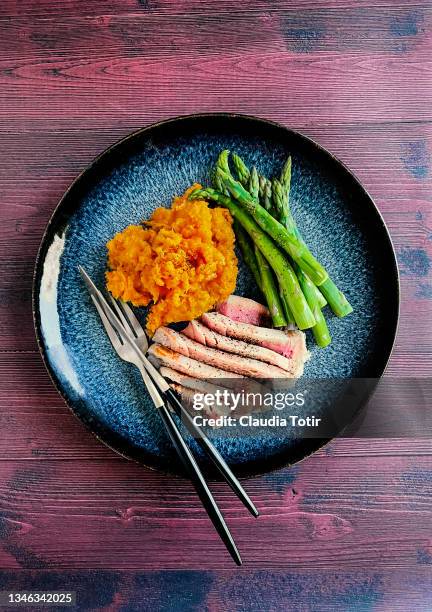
(182, 261)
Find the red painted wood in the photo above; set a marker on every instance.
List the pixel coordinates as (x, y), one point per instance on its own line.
(137, 520)
(395, 30)
(339, 87)
(60, 9)
(347, 528)
(336, 591)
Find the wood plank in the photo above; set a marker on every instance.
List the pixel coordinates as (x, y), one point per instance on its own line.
(59, 9)
(242, 590)
(224, 590)
(74, 75)
(394, 30)
(358, 61)
(134, 519)
(340, 88)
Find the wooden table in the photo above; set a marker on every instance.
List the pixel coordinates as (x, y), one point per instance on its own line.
(349, 528)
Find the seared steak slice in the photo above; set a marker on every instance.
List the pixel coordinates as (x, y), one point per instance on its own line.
(215, 358)
(196, 384)
(244, 310)
(291, 344)
(161, 355)
(199, 332)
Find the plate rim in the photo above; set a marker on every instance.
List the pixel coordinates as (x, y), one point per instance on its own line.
(108, 436)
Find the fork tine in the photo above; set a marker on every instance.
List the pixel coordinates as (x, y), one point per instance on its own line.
(120, 314)
(115, 341)
(133, 321)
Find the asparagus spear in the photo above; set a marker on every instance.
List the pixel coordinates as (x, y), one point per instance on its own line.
(250, 179)
(320, 329)
(281, 206)
(318, 295)
(254, 183)
(285, 178)
(280, 193)
(289, 286)
(270, 290)
(248, 253)
(267, 280)
(268, 283)
(328, 291)
(287, 311)
(265, 192)
(242, 170)
(222, 161)
(252, 255)
(281, 235)
(336, 299)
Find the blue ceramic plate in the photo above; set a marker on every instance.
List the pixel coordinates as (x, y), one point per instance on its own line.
(124, 185)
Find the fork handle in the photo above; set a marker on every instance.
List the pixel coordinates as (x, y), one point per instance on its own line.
(199, 484)
(191, 467)
(213, 454)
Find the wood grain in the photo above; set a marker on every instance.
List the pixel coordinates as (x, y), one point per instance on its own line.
(396, 30)
(223, 590)
(60, 9)
(344, 64)
(338, 87)
(359, 518)
(348, 528)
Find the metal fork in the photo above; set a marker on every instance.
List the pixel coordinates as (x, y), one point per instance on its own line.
(131, 324)
(127, 350)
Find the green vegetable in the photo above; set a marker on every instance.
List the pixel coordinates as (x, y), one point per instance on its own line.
(318, 295)
(336, 299)
(328, 291)
(280, 205)
(280, 191)
(254, 183)
(241, 169)
(320, 329)
(285, 178)
(267, 282)
(265, 192)
(287, 311)
(289, 286)
(255, 260)
(270, 289)
(223, 161)
(281, 235)
(248, 252)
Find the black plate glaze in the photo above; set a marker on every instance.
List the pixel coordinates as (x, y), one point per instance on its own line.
(336, 214)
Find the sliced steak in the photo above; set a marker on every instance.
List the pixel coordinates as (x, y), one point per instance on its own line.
(244, 310)
(291, 344)
(229, 362)
(161, 355)
(206, 336)
(196, 384)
